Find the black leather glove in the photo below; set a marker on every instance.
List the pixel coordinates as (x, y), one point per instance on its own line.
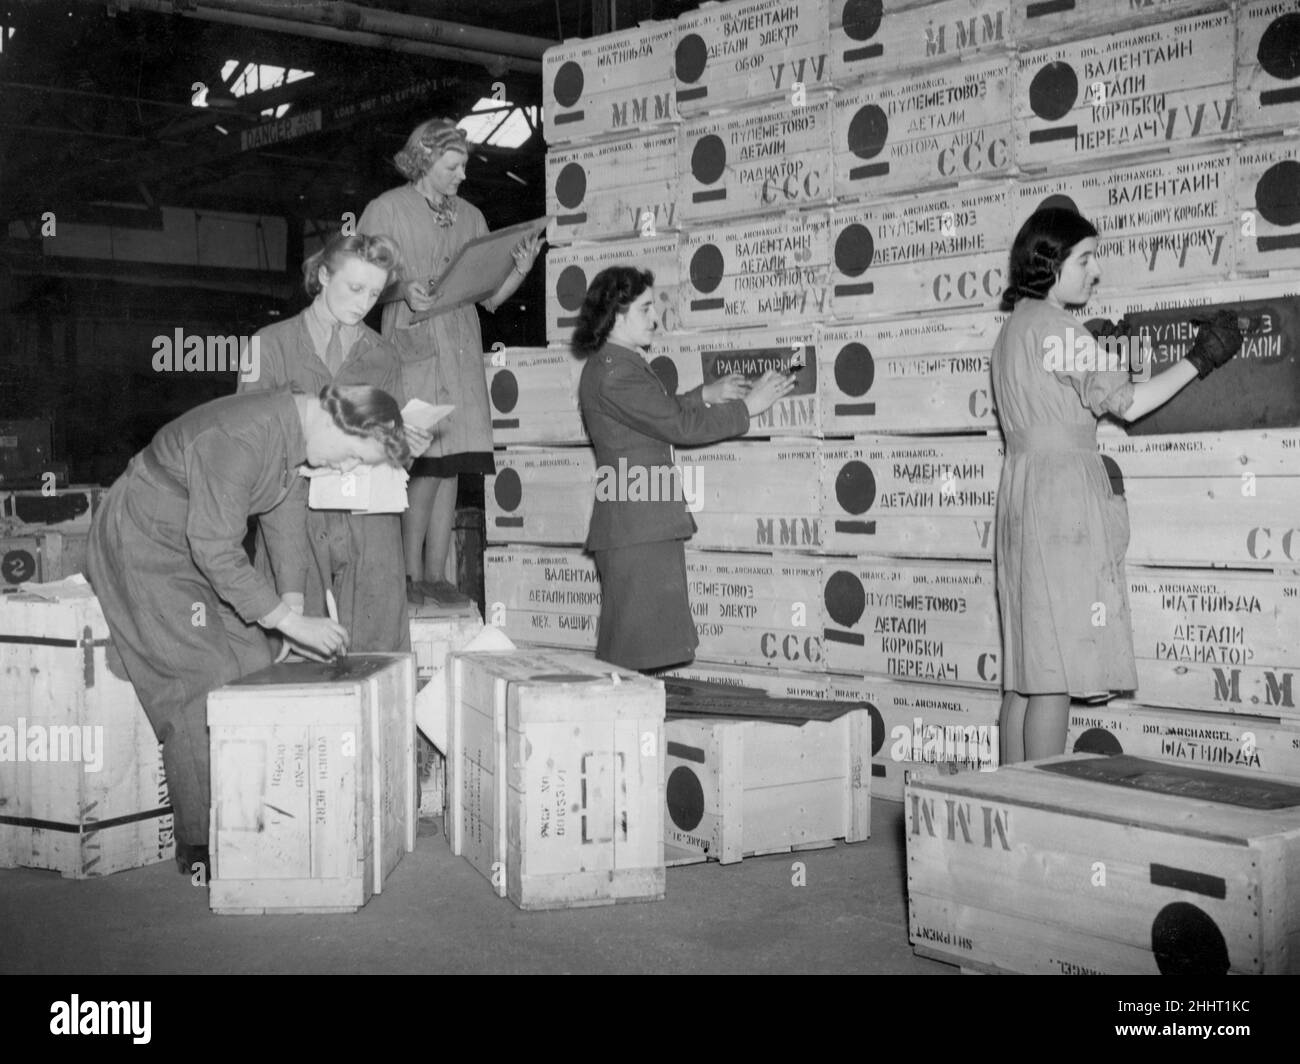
(1217, 340)
(1102, 328)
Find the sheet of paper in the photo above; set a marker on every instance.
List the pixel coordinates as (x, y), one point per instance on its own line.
(379, 489)
(424, 415)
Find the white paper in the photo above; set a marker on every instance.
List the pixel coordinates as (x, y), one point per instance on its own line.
(377, 489)
(431, 703)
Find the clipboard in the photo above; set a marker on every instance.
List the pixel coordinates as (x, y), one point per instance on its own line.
(478, 269)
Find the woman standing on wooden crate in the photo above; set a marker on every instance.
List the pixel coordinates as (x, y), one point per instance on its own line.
(640, 544)
(185, 607)
(1061, 532)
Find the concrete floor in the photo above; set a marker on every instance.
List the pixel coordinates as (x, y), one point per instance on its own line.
(437, 914)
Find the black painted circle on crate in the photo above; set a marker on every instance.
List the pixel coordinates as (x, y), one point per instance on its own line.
(508, 490)
(708, 159)
(854, 250)
(1097, 741)
(571, 186)
(868, 131)
(845, 598)
(707, 268)
(877, 728)
(855, 370)
(1115, 473)
(855, 487)
(666, 370)
(1059, 201)
(571, 287)
(1187, 941)
(17, 566)
(691, 58)
(862, 18)
(504, 391)
(1277, 193)
(569, 81)
(1053, 91)
(685, 798)
(1279, 47)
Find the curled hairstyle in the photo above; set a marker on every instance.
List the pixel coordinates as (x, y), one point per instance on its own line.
(426, 144)
(360, 410)
(1040, 250)
(612, 291)
(381, 251)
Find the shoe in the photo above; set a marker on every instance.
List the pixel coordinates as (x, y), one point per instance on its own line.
(414, 595)
(445, 594)
(187, 856)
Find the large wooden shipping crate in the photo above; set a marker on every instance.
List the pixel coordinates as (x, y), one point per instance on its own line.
(544, 595)
(1268, 230)
(570, 270)
(82, 788)
(1266, 91)
(436, 632)
(622, 188)
(533, 395)
(882, 37)
(1105, 865)
(313, 784)
(555, 777)
(546, 496)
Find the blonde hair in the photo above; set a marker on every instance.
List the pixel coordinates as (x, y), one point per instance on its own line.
(426, 144)
(366, 411)
(381, 251)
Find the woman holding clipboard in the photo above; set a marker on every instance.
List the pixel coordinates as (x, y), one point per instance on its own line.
(442, 356)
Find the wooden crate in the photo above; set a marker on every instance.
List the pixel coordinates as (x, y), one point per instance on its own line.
(313, 784)
(1268, 230)
(615, 83)
(755, 161)
(758, 272)
(1188, 737)
(869, 37)
(1233, 497)
(756, 610)
(1222, 641)
(939, 252)
(688, 360)
(569, 270)
(1267, 95)
(1145, 90)
(935, 621)
(1034, 20)
(103, 805)
(909, 375)
(621, 189)
(921, 130)
(735, 54)
(436, 631)
(545, 496)
(544, 595)
(533, 395)
(67, 510)
(1161, 222)
(927, 497)
(777, 683)
(20, 561)
(1083, 865)
(555, 777)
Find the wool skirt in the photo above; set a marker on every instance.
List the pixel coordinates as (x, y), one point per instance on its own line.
(645, 610)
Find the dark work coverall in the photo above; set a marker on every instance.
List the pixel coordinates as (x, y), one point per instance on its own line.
(166, 559)
(361, 556)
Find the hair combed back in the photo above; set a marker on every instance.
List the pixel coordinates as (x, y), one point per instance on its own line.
(360, 410)
(1040, 249)
(611, 292)
(426, 144)
(379, 250)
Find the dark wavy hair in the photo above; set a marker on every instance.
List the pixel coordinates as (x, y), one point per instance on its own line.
(378, 250)
(612, 291)
(1040, 249)
(360, 410)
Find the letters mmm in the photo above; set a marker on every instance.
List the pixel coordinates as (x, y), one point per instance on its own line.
(641, 109)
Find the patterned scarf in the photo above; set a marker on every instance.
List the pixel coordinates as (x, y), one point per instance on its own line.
(444, 213)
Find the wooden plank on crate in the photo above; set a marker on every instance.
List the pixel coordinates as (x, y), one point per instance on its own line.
(620, 189)
(533, 395)
(1227, 498)
(909, 375)
(614, 83)
(546, 496)
(755, 161)
(1115, 865)
(756, 610)
(731, 55)
(1267, 175)
(67, 510)
(1056, 20)
(688, 360)
(929, 620)
(1185, 736)
(543, 595)
(1268, 95)
(1161, 222)
(764, 271)
(569, 270)
(1145, 90)
(930, 497)
(869, 38)
(916, 131)
(1213, 640)
(939, 252)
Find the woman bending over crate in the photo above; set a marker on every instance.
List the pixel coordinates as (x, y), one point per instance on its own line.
(640, 543)
(1061, 532)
